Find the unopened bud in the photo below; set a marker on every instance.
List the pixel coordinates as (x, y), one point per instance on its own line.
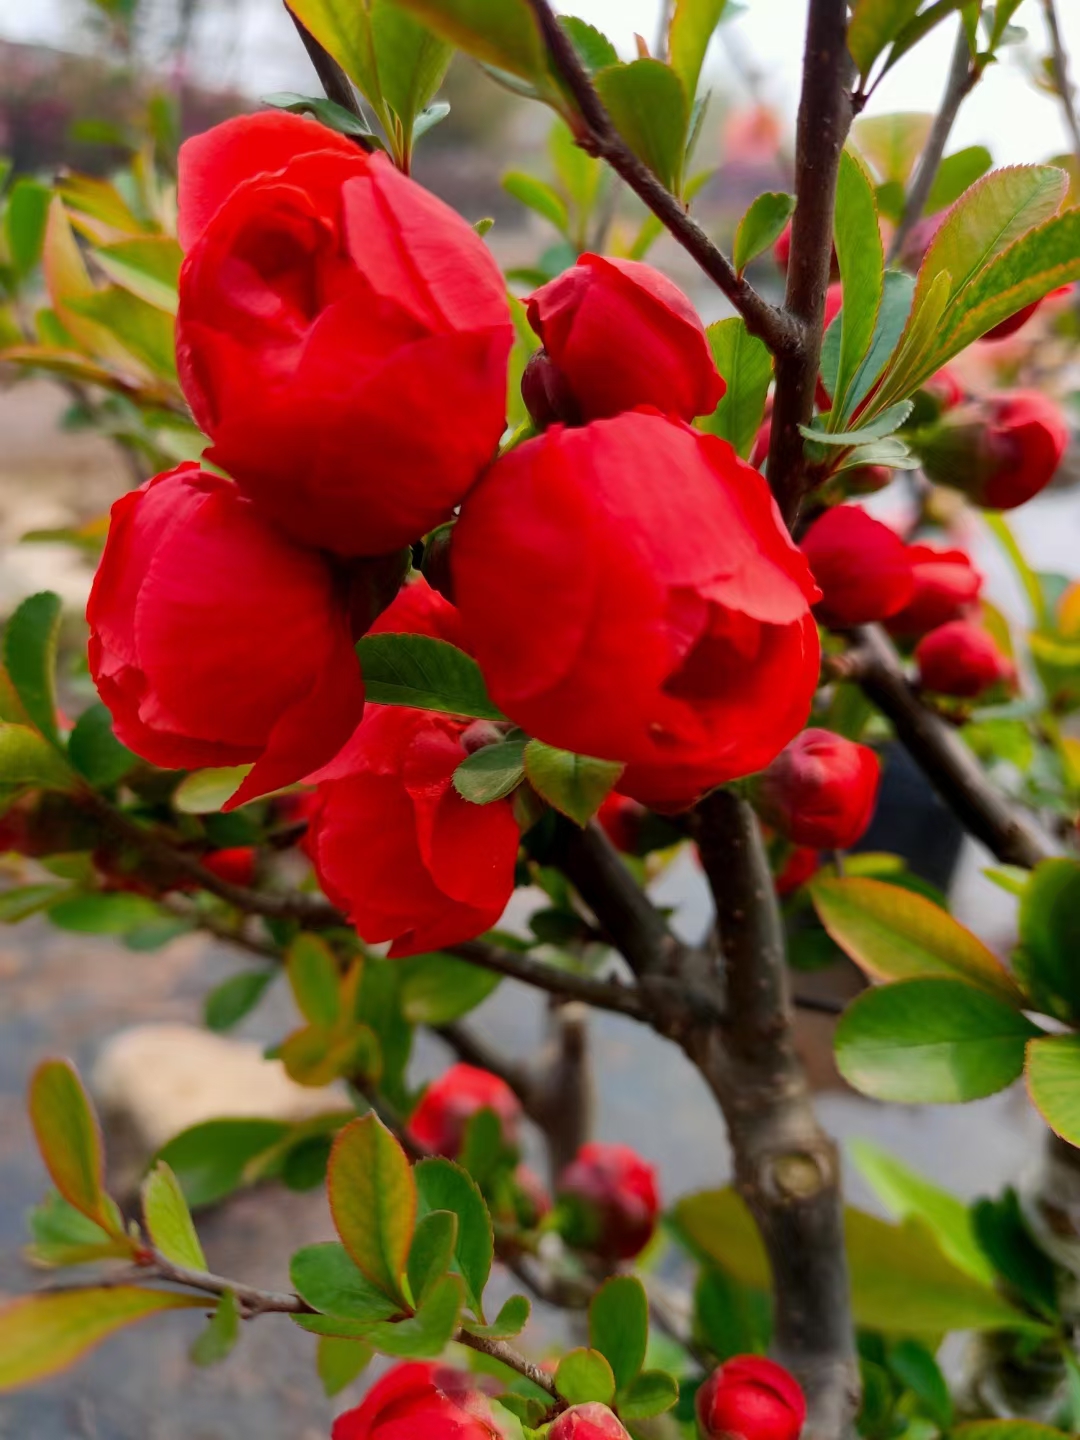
(548, 398)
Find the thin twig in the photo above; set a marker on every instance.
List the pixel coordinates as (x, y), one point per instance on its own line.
(505, 1353)
(962, 78)
(597, 134)
(1060, 61)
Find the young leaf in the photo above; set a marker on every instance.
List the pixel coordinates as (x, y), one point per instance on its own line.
(437, 989)
(412, 62)
(228, 1003)
(874, 24)
(29, 655)
(957, 173)
(862, 265)
(502, 33)
(760, 226)
(1053, 1082)
(25, 217)
(424, 674)
(315, 979)
(538, 196)
(427, 1333)
(340, 1362)
(344, 30)
(888, 421)
(931, 1041)
(512, 1318)
(691, 29)
(168, 1219)
(594, 49)
(69, 1139)
(63, 1235)
(44, 1334)
(26, 758)
(149, 267)
(648, 103)
(327, 1279)
(373, 1201)
(147, 334)
(334, 117)
(217, 1340)
(619, 1326)
(651, 1393)
(584, 1376)
(442, 1185)
(432, 1251)
(747, 365)
(94, 750)
(898, 935)
(892, 143)
(575, 785)
(491, 772)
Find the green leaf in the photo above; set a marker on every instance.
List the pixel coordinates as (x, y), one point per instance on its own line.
(427, 1333)
(69, 1138)
(955, 174)
(875, 430)
(220, 1336)
(576, 785)
(491, 772)
(931, 1041)
(502, 33)
(344, 29)
(29, 654)
(333, 116)
(149, 267)
(918, 28)
(483, 1148)
(747, 366)
(1027, 1269)
(229, 1002)
(1053, 1082)
(340, 1362)
(691, 29)
(315, 979)
(874, 24)
(25, 900)
(651, 1393)
(619, 1326)
(26, 758)
(42, 1335)
(432, 1250)
(437, 989)
(538, 196)
(110, 913)
(583, 1376)
(1050, 930)
(411, 63)
(512, 1318)
(579, 174)
(914, 1365)
(731, 1318)
(862, 266)
(594, 49)
(63, 1235)
(327, 1279)
(204, 792)
(94, 750)
(442, 1185)
(649, 106)
(168, 1220)
(424, 674)
(145, 332)
(216, 1157)
(892, 319)
(896, 934)
(761, 225)
(907, 1195)
(893, 143)
(373, 1201)
(25, 216)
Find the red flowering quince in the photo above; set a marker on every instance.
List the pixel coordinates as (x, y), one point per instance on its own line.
(342, 335)
(946, 587)
(216, 641)
(751, 1398)
(821, 790)
(592, 1421)
(962, 659)
(620, 334)
(419, 1401)
(448, 1104)
(1000, 451)
(862, 567)
(609, 1201)
(664, 625)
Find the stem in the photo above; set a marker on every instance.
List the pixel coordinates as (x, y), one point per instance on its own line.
(600, 994)
(596, 133)
(824, 120)
(786, 1168)
(944, 758)
(1060, 61)
(332, 77)
(505, 1353)
(962, 78)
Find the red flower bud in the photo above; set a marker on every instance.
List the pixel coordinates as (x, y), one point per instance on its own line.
(215, 641)
(327, 302)
(588, 1422)
(947, 586)
(609, 1201)
(862, 567)
(620, 819)
(834, 301)
(945, 388)
(1015, 322)
(800, 864)
(236, 865)
(621, 335)
(448, 1104)
(999, 452)
(962, 659)
(688, 603)
(419, 1399)
(821, 790)
(750, 1398)
(547, 395)
(782, 254)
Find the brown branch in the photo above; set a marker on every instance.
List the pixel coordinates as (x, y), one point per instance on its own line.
(786, 1167)
(1060, 61)
(962, 78)
(824, 120)
(597, 134)
(946, 761)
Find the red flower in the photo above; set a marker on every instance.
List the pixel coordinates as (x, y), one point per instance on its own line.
(999, 452)
(618, 614)
(620, 334)
(342, 335)
(821, 790)
(620, 819)
(1008, 327)
(215, 641)
(236, 865)
(962, 659)
(947, 586)
(750, 1398)
(420, 610)
(588, 1422)
(448, 1104)
(416, 1399)
(862, 567)
(609, 1201)
(798, 866)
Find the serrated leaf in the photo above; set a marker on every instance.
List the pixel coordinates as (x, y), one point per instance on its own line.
(888, 421)
(761, 226)
(437, 989)
(691, 29)
(424, 674)
(908, 366)
(344, 30)
(652, 1393)
(94, 750)
(29, 653)
(333, 116)
(228, 1003)
(204, 792)
(874, 25)
(69, 1138)
(148, 266)
(619, 1326)
(327, 1279)
(491, 772)
(339, 1362)
(955, 174)
(1053, 1082)
(576, 785)
(373, 1201)
(583, 1376)
(594, 49)
(931, 1041)
(649, 107)
(220, 1336)
(168, 1220)
(442, 1185)
(512, 1318)
(42, 1335)
(411, 62)
(314, 978)
(538, 196)
(747, 366)
(862, 265)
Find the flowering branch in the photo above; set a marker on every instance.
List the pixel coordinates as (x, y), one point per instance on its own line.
(597, 134)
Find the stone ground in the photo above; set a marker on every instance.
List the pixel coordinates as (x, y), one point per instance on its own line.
(67, 994)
